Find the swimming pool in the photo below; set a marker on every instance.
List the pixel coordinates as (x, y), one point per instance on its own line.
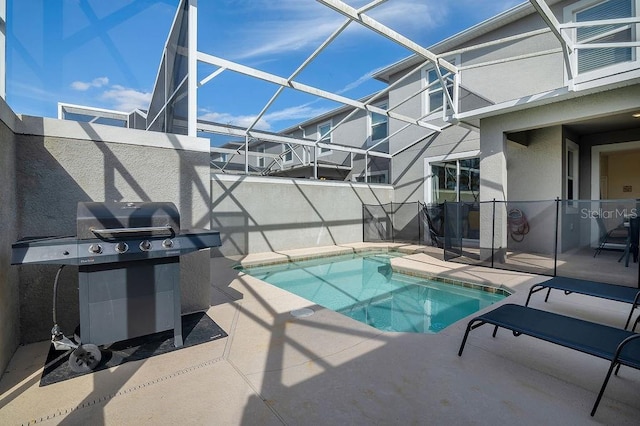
(363, 287)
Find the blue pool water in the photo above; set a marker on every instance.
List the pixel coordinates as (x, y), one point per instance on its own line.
(363, 287)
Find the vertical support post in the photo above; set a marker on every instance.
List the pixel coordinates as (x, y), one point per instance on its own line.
(555, 250)
(493, 231)
(192, 81)
(3, 51)
(363, 218)
(419, 224)
(393, 223)
(445, 226)
(316, 152)
(366, 167)
(246, 154)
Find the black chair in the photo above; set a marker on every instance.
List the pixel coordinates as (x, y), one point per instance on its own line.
(617, 236)
(619, 347)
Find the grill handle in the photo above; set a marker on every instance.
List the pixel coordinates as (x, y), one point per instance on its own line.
(111, 231)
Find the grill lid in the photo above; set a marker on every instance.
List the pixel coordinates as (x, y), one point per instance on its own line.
(122, 220)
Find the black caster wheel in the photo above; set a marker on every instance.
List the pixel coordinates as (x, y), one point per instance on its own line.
(84, 358)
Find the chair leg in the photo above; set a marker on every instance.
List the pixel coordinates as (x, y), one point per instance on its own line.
(599, 249)
(604, 385)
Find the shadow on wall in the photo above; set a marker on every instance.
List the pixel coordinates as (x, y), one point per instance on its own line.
(272, 214)
(54, 174)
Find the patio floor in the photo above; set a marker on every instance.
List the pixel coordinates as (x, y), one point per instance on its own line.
(275, 368)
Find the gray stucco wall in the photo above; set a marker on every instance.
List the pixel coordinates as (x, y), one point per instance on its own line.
(270, 214)
(535, 171)
(9, 298)
(59, 163)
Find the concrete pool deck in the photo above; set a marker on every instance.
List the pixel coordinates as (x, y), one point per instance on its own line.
(275, 368)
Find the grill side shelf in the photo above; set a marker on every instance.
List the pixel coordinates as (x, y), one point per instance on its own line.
(49, 250)
(74, 251)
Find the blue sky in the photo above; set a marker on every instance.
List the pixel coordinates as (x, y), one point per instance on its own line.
(106, 53)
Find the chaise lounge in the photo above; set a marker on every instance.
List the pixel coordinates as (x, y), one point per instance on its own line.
(615, 292)
(620, 347)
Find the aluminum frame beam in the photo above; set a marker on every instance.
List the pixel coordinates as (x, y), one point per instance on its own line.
(549, 18)
(392, 35)
(192, 69)
(567, 44)
(271, 78)
(387, 32)
(268, 137)
(311, 57)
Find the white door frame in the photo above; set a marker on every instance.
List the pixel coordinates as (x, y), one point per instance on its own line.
(428, 194)
(595, 162)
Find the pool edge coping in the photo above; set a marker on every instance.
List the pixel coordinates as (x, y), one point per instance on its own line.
(282, 258)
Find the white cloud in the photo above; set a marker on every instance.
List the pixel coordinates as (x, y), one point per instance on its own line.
(360, 81)
(298, 113)
(287, 36)
(299, 26)
(125, 99)
(96, 82)
(235, 120)
(267, 122)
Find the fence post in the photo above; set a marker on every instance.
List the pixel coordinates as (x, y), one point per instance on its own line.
(493, 231)
(419, 224)
(393, 224)
(555, 250)
(444, 231)
(363, 224)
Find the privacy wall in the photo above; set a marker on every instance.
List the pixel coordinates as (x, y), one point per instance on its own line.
(59, 163)
(9, 305)
(255, 214)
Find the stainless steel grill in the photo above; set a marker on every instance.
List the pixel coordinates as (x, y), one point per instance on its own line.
(128, 258)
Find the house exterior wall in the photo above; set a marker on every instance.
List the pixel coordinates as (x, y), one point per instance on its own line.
(59, 163)
(354, 133)
(258, 214)
(9, 295)
(520, 76)
(540, 160)
(481, 86)
(507, 171)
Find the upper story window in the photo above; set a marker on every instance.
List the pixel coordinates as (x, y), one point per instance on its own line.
(325, 135)
(587, 60)
(260, 161)
(379, 124)
(287, 153)
(219, 157)
(572, 154)
(435, 97)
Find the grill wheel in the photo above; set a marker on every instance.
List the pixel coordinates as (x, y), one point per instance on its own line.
(85, 358)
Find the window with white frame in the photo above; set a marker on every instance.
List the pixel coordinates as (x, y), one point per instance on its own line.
(221, 157)
(374, 177)
(435, 97)
(572, 159)
(379, 125)
(325, 136)
(287, 153)
(260, 161)
(453, 179)
(588, 59)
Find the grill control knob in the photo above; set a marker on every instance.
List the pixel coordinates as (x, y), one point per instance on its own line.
(121, 247)
(95, 248)
(145, 245)
(167, 243)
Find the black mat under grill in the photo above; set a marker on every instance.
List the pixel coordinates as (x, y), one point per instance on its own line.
(196, 328)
